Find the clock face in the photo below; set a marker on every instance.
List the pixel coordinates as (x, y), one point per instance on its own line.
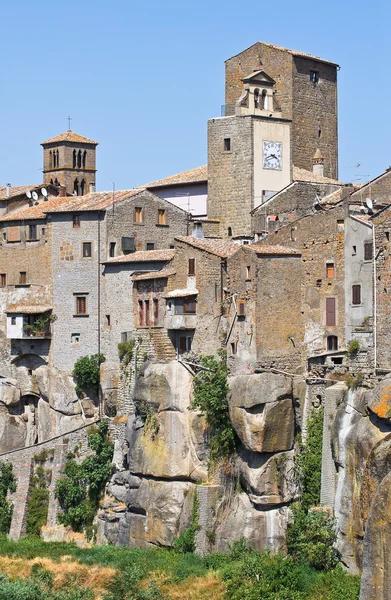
(272, 155)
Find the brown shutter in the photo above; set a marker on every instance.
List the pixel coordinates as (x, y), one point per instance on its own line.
(182, 344)
(330, 312)
(368, 251)
(147, 315)
(191, 266)
(141, 313)
(241, 308)
(81, 305)
(356, 294)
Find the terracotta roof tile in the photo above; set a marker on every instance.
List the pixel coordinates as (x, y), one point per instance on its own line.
(17, 190)
(28, 309)
(69, 136)
(193, 176)
(94, 201)
(35, 212)
(142, 256)
(282, 250)
(304, 175)
(219, 247)
(155, 274)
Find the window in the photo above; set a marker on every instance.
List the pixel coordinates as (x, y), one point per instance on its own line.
(155, 311)
(22, 277)
(256, 98)
(147, 314)
(141, 314)
(340, 225)
(74, 158)
(354, 250)
(314, 76)
(84, 158)
(76, 187)
(32, 232)
(356, 294)
(79, 159)
(248, 272)
(241, 308)
(161, 218)
(191, 266)
(76, 221)
(227, 144)
(87, 249)
(81, 305)
(3, 279)
(332, 343)
(108, 320)
(264, 100)
(230, 231)
(75, 338)
(387, 236)
(138, 214)
(184, 344)
(185, 307)
(368, 251)
(43, 230)
(4, 236)
(330, 272)
(112, 249)
(330, 312)
(13, 320)
(234, 348)
(150, 245)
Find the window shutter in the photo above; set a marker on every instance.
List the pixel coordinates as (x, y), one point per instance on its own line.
(368, 251)
(241, 308)
(330, 312)
(191, 266)
(356, 294)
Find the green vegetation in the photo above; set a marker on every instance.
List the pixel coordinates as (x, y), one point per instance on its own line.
(38, 502)
(86, 373)
(186, 541)
(7, 484)
(81, 488)
(353, 347)
(354, 381)
(309, 461)
(210, 397)
(162, 574)
(41, 326)
(125, 351)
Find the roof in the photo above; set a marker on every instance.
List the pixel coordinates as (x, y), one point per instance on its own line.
(333, 198)
(304, 175)
(197, 175)
(94, 201)
(17, 190)
(212, 245)
(181, 293)
(293, 52)
(143, 256)
(155, 274)
(35, 212)
(27, 309)
(69, 136)
(281, 250)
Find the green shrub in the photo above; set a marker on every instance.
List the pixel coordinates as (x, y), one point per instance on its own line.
(354, 381)
(311, 538)
(7, 484)
(125, 351)
(81, 488)
(186, 542)
(353, 347)
(38, 503)
(210, 397)
(86, 372)
(309, 461)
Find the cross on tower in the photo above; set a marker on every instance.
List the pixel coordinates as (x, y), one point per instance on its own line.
(69, 123)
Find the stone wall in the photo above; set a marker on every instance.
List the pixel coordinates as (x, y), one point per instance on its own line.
(382, 251)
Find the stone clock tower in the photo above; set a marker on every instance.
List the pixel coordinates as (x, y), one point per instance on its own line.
(69, 159)
(249, 156)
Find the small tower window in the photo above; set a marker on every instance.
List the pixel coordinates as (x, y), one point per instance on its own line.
(227, 144)
(314, 76)
(332, 343)
(112, 249)
(330, 272)
(79, 159)
(82, 186)
(74, 158)
(84, 158)
(50, 159)
(256, 98)
(57, 159)
(229, 232)
(56, 182)
(264, 100)
(54, 159)
(76, 187)
(191, 265)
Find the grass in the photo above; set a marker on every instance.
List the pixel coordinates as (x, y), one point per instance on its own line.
(115, 573)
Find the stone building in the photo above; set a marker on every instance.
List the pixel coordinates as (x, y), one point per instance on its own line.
(69, 159)
(16, 198)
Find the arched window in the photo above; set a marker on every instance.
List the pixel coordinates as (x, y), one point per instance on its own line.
(230, 231)
(76, 186)
(84, 158)
(51, 182)
(74, 158)
(82, 186)
(54, 159)
(256, 98)
(79, 159)
(57, 159)
(56, 182)
(264, 100)
(332, 343)
(50, 159)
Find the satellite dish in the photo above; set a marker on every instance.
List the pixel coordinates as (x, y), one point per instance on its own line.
(44, 192)
(35, 196)
(28, 193)
(369, 203)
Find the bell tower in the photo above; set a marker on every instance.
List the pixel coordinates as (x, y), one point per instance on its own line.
(69, 159)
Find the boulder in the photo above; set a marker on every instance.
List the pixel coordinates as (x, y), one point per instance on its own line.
(9, 392)
(13, 431)
(58, 389)
(163, 387)
(379, 399)
(158, 511)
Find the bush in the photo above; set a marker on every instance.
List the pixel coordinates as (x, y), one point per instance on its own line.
(86, 372)
(38, 503)
(353, 347)
(80, 490)
(125, 352)
(354, 381)
(7, 484)
(186, 542)
(210, 397)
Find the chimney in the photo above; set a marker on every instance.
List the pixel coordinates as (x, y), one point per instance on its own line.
(63, 191)
(318, 163)
(92, 188)
(8, 190)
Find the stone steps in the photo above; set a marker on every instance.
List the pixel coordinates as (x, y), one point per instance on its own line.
(157, 341)
(23, 473)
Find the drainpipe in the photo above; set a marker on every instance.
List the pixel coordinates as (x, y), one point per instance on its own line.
(374, 297)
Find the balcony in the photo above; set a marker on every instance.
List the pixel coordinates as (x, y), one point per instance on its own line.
(184, 321)
(27, 322)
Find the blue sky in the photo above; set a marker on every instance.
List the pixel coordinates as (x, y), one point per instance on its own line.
(142, 78)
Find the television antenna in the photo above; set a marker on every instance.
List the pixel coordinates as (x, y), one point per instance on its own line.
(28, 193)
(44, 192)
(35, 196)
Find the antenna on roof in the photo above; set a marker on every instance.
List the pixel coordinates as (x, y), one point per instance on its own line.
(44, 192)
(28, 193)
(35, 196)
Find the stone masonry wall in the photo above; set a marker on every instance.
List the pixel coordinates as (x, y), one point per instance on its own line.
(382, 254)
